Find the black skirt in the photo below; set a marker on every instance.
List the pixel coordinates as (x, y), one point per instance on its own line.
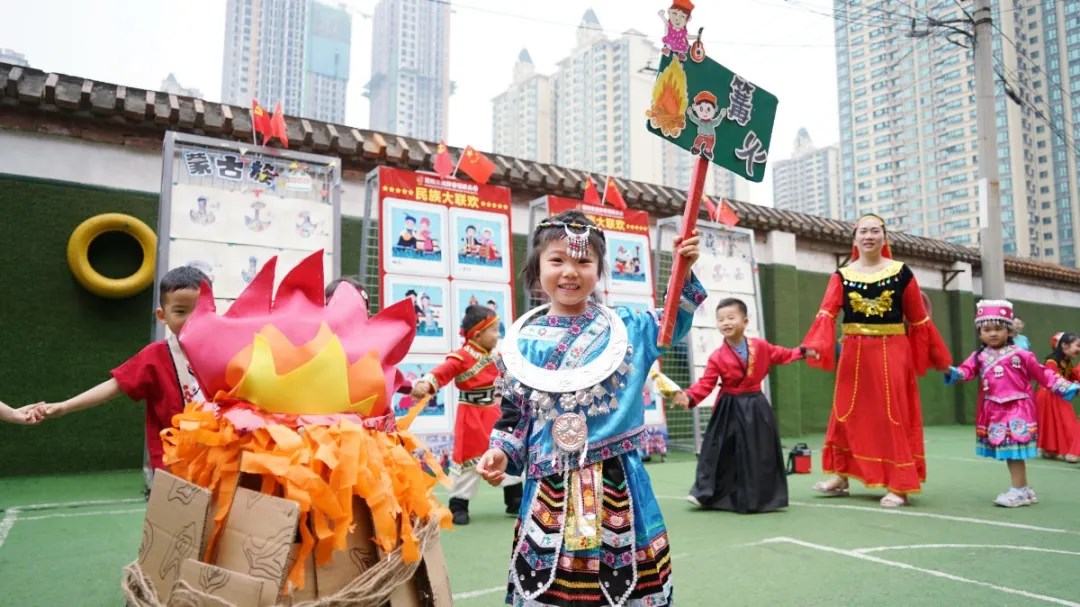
(741, 467)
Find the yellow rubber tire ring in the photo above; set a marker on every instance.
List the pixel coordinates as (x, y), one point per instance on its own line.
(78, 250)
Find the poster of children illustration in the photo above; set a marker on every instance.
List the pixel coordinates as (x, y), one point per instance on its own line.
(430, 298)
(629, 264)
(726, 260)
(494, 296)
(436, 414)
(414, 235)
(481, 245)
(250, 217)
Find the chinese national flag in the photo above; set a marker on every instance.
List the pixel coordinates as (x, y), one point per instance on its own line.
(477, 166)
(277, 126)
(726, 215)
(443, 165)
(591, 196)
(260, 121)
(612, 195)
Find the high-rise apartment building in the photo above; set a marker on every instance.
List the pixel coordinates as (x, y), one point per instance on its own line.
(291, 51)
(602, 91)
(590, 115)
(326, 62)
(808, 182)
(410, 83)
(8, 55)
(1044, 49)
(908, 143)
(172, 86)
(523, 117)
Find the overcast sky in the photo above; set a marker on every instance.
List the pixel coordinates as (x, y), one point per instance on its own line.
(784, 46)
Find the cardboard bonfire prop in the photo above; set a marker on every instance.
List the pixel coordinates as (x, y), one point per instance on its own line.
(294, 484)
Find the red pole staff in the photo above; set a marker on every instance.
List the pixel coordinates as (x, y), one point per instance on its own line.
(678, 268)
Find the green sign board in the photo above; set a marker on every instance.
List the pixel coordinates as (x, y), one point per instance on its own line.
(705, 108)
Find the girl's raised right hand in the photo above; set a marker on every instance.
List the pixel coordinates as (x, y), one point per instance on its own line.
(492, 466)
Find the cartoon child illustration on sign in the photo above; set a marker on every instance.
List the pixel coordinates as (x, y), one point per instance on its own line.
(248, 274)
(305, 227)
(407, 239)
(675, 39)
(256, 222)
(201, 215)
(470, 244)
(487, 245)
(703, 113)
(424, 241)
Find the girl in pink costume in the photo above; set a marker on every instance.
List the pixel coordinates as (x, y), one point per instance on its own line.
(1006, 425)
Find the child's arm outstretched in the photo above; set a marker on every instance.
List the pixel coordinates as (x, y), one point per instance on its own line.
(965, 372)
(105, 391)
(439, 376)
(703, 387)
(1049, 377)
(779, 355)
(23, 415)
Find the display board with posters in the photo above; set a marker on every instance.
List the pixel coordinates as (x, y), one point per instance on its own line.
(445, 244)
(726, 268)
(227, 207)
(628, 280)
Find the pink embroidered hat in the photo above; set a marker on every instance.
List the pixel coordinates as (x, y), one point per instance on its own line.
(993, 310)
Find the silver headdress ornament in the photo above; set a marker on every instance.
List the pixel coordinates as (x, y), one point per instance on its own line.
(577, 243)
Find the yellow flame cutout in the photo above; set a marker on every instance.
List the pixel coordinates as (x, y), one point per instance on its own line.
(311, 379)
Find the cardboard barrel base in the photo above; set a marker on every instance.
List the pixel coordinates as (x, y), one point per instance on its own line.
(256, 550)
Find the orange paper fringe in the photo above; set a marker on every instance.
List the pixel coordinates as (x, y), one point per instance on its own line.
(319, 467)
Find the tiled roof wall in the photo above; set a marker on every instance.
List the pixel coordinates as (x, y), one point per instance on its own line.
(70, 106)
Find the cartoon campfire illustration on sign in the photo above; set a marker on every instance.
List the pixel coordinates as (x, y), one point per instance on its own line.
(300, 409)
(668, 110)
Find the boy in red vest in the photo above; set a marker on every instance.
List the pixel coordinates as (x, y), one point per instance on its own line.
(474, 371)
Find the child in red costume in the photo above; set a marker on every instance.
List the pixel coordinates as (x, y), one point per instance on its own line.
(473, 370)
(1059, 429)
(741, 467)
(158, 374)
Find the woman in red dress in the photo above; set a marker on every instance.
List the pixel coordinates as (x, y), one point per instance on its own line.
(1059, 429)
(875, 430)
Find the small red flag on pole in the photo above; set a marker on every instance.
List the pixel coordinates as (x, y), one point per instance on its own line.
(591, 196)
(612, 195)
(260, 122)
(726, 215)
(444, 166)
(277, 126)
(477, 166)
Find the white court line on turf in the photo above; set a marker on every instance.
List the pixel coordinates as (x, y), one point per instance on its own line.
(943, 517)
(1073, 468)
(980, 546)
(933, 572)
(472, 594)
(12, 514)
(42, 517)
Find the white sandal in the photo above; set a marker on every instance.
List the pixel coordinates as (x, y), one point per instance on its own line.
(892, 500)
(1013, 498)
(829, 489)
